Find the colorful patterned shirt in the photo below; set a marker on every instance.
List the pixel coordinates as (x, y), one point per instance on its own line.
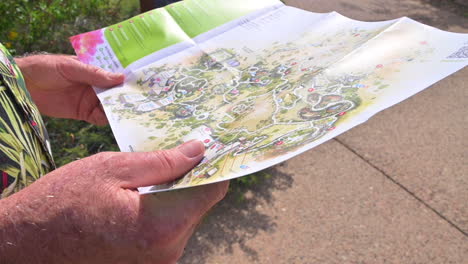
(25, 152)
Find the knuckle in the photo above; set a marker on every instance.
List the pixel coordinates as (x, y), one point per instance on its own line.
(105, 158)
(110, 161)
(100, 73)
(101, 155)
(165, 160)
(64, 69)
(94, 69)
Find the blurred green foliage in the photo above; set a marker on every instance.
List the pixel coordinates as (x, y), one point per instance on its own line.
(45, 25)
(28, 26)
(73, 140)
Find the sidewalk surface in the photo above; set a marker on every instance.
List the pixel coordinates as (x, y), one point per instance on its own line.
(393, 190)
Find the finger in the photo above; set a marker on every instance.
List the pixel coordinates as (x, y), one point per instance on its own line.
(179, 212)
(179, 250)
(98, 117)
(90, 108)
(158, 167)
(208, 195)
(91, 75)
(192, 203)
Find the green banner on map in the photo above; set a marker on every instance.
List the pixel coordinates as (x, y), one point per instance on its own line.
(144, 34)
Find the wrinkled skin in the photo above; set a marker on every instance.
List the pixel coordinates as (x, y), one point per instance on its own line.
(89, 211)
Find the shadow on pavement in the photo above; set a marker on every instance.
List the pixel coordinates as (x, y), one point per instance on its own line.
(440, 14)
(234, 222)
(237, 218)
(459, 7)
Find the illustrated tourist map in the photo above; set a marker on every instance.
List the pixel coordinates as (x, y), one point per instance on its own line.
(257, 82)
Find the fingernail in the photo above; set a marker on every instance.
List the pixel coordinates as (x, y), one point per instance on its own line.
(192, 148)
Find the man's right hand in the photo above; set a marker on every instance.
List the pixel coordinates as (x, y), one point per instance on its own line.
(90, 212)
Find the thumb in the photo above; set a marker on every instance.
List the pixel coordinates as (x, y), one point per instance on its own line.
(159, 167)
(77, 71)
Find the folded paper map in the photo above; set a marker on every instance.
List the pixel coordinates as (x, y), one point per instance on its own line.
(257, 81)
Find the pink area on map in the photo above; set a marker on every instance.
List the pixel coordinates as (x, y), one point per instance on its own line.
(85, 44)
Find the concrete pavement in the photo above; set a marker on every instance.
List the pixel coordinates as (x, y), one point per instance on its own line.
(393, 190)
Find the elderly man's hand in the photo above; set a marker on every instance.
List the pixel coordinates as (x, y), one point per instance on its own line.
(61, 86)
(89, 211)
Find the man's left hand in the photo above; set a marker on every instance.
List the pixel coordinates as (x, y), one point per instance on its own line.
(61, 86)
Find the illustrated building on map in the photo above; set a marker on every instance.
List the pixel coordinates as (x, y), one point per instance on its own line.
(158, 81)
(212, 172)
(224, 56)
(153, 105)
(147, 107)
(131, 98)
(202, 133)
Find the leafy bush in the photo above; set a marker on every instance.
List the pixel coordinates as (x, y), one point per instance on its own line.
(73, 140)
(45, 25)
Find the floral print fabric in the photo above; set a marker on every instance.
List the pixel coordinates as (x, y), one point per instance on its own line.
(24, 147)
